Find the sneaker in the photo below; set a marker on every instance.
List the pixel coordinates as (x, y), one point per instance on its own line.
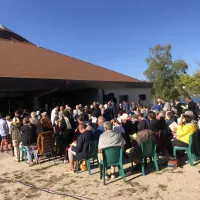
(113, 176)
(107, 176)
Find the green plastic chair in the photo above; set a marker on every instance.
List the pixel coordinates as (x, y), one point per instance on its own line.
(148, 149)
(22, 149)
(112, 156)
(92, 154)
(191, 156)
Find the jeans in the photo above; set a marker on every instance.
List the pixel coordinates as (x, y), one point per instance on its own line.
(29, 153)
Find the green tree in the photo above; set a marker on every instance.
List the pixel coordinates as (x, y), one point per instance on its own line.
(191, 83)
(164, 73)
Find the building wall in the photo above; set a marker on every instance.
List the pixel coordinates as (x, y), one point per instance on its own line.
(133, 94)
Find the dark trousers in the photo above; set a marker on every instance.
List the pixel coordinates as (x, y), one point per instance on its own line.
(179, 143)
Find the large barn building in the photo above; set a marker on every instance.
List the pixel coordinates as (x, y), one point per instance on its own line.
(34, 77)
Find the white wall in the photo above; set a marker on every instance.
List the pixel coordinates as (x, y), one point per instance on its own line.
(133, 94)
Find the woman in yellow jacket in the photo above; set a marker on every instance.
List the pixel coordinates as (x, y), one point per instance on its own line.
(184, 130)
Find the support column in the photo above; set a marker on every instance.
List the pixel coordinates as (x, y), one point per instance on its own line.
(100, 96)
(36, 103)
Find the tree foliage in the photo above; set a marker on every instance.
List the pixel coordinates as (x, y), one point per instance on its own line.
(191, 83)
(164, 73)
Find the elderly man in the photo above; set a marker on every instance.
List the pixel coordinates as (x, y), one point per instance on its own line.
(79, 149)
(100, 128)
(110, 138)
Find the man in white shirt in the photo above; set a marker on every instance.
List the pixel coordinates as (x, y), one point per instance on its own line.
(53, 113)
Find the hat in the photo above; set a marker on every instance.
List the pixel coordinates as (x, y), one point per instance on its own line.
(124, 117)
(189, 113)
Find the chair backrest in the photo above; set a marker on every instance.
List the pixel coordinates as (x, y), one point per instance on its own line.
(147, 148)
(45, 142)
(190, 140)
(112, 155)
(93, 149)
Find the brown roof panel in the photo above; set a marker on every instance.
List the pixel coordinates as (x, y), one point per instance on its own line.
(28, 61)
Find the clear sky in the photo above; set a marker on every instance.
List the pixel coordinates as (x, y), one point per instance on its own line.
(115, 34)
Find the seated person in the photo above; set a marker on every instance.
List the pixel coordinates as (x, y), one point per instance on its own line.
(152, 119)
(100, 128)
(118, 126)
(80, 151)
(110, 138)
(184, 130)
(143, 134)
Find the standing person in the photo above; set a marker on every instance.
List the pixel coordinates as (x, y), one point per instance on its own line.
(178, 107)
(46, 122)
(9, 121)
(26, 138)
(60, 114)
(4, 130)
(66, 128)
(96, 112)
(125, 106)
(53, 112)
(16, 136)
(55, 123)
(192, 107)
(34, 120)
(107, 113)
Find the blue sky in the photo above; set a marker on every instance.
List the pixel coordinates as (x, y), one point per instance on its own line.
(114, 34)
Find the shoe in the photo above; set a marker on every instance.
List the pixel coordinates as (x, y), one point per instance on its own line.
(107, 176)
(113, 176)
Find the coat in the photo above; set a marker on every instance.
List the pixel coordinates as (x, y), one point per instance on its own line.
(82, 145)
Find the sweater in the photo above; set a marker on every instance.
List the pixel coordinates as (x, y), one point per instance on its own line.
(184, 132)
(82, 146)
(26, 135)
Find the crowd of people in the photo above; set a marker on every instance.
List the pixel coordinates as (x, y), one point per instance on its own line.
(110, 124)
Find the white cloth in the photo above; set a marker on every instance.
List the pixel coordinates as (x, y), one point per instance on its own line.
(53, 114)
(68, 123)
(111, 138)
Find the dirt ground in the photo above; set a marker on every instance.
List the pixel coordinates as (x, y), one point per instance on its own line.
(181, 183)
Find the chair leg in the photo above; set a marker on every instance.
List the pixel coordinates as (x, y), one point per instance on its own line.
(18, 155)
(174, 151)
(100, 169)
(142, 166)
(104, 177)
(190, 158)
(156, 162)
(194, 158)
(25, 156)
(122, 173)
(88, 166)
(77, 166)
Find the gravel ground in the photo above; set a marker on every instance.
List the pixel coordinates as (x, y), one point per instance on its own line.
(181, 183)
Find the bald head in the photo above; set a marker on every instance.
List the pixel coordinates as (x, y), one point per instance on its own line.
(101, 120)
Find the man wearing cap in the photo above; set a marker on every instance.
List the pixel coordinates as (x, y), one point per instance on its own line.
(184, 130)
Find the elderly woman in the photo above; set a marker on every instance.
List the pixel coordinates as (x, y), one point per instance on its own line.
(34, 120)
(46, 122)
(185, 128)
(16, 136)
